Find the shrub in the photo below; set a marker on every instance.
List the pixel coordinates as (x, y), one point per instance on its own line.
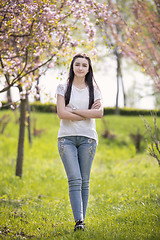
(43, 107)
(50, 107)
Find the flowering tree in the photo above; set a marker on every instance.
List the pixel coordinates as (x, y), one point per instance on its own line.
(131, 31)
(111, 43)
(139, 40)
(32, 34)
(140, 35)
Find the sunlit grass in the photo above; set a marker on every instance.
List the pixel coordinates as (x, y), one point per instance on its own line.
(124, 188)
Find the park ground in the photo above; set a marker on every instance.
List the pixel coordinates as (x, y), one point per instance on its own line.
(124, 198)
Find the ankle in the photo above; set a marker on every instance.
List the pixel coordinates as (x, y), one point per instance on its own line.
(79, 225)
(81, 221)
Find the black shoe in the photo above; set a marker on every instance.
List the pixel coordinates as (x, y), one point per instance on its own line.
(79, 225)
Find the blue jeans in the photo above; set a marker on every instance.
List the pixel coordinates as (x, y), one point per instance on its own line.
(77, 153)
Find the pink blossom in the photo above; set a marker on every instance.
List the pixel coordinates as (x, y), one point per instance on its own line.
(74, 43)
(12, 107)
(87, 30)
(51, 65)
(42, 38)
(94, 52)
(22, 95)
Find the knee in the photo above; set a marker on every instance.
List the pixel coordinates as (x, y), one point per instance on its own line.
(75, 184)
(85, 184)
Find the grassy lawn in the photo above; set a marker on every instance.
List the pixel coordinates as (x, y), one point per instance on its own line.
(124, 198)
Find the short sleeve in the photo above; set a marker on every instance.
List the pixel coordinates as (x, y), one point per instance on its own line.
(97, 93)
(60, 90)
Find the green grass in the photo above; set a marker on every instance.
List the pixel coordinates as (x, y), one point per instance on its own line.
(124, 198)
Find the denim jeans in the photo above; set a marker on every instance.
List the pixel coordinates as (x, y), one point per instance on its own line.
(77, 153)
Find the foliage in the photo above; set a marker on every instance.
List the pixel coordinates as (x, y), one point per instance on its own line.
(34, 33)
(141, 36)
(124, 189)
(4, 120)
(132, 30)
(130, 111)
(45, 107)
(137, 138)
(49, 107)
(154, 132)
(107, 133)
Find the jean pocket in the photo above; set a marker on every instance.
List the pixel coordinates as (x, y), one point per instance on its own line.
(61, 140)
(91, 141)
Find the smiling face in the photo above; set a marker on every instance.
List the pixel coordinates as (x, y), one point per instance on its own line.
(80, 67)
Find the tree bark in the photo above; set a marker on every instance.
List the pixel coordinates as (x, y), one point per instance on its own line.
(29, 121)
(123, 90)
(9, 99)
(119, 79)
(37, 90)
(20, 154)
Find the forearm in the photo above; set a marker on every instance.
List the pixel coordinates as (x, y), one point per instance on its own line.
(70, 116)
(89, 113)
(63, 113)
(66, 112)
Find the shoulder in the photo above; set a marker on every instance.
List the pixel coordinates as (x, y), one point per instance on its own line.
(96, 88)
(97, 92)
(61, 88)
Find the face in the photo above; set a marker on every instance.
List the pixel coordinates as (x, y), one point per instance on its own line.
(80, 67)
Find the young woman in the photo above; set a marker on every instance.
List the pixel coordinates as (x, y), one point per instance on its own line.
(78, 104)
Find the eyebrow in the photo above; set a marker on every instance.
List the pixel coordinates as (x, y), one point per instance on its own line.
(85, 64)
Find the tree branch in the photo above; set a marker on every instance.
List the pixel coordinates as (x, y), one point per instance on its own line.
(20, 77)
(6, 74)
(15, 79)
(24, 35)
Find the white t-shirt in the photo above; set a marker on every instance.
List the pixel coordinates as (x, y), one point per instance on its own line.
(80, 99)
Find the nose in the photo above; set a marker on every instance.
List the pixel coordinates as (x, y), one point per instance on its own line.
(80, 67)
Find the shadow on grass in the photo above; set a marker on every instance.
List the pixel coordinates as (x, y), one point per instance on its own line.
(9, 202)
(100, 233)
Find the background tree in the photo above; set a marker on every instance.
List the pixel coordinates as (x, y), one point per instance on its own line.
(157, 100)
(100, 10)
(134, 30)
(141, 36)
(133, 95)
(32, 34)
(139, 41)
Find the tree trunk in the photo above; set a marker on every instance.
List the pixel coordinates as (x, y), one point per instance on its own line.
(9, 99)
(37, 90)
(29, 121)
(123, 91)
(20, 154)
(118, 80)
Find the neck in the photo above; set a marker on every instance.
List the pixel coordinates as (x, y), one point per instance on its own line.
(79, 80)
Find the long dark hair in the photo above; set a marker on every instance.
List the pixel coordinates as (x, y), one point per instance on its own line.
(89, 78)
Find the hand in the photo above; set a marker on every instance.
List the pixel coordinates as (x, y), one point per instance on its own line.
(96, 105)
(68, 109)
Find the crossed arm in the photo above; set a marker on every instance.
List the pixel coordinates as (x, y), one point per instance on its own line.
(67, 113)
